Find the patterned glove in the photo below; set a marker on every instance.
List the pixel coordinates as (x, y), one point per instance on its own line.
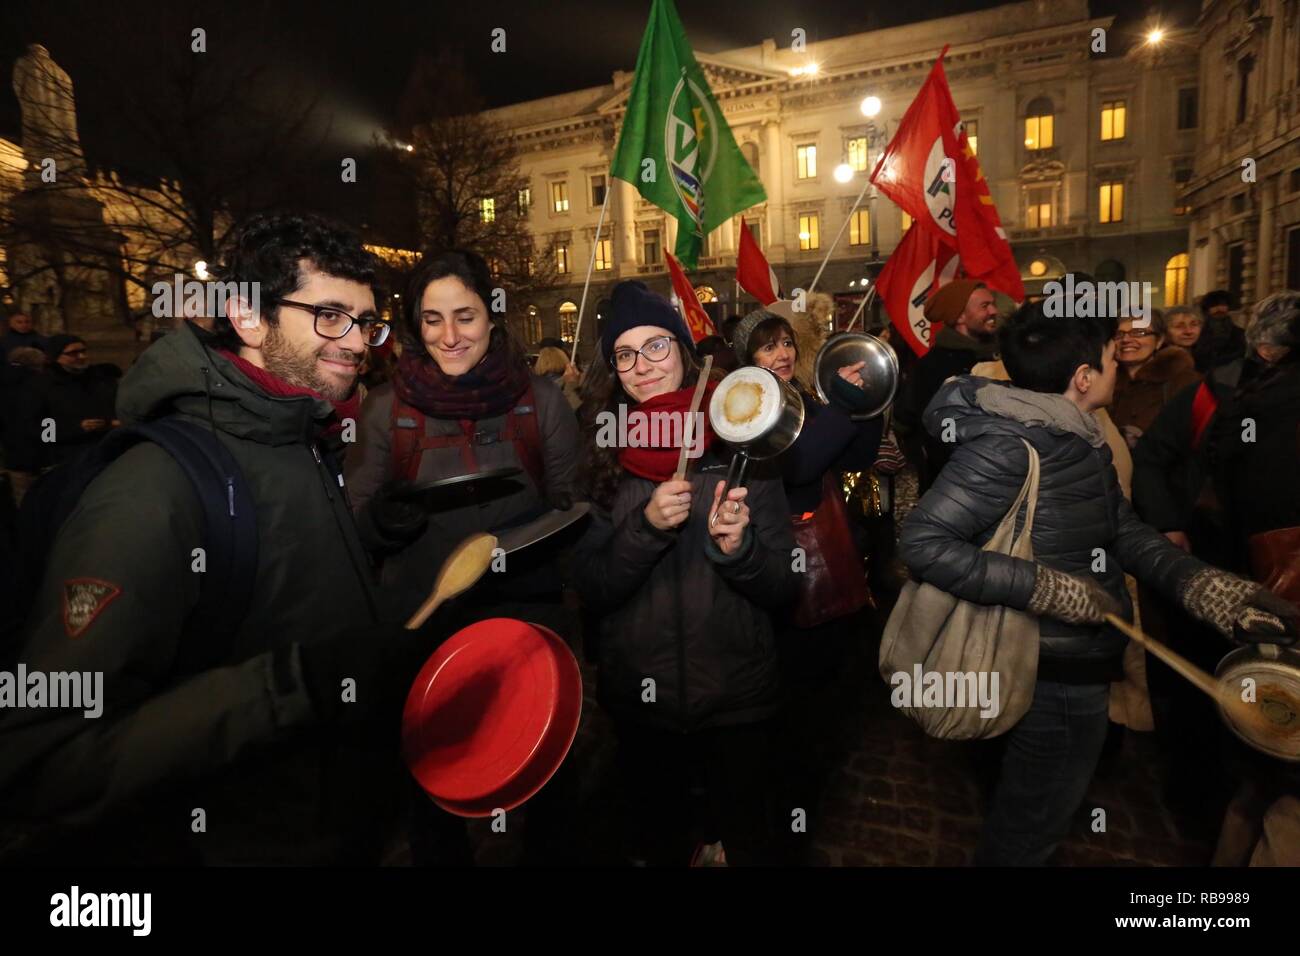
(1070, 598)
(1239, 608)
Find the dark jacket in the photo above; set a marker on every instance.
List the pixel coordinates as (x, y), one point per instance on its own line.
(17, 340)
(409, 571)
(169, 742)
(829, 441)
(1221, 342)
(952, 354)
(1082, 525)
(20, 420)
(676, 610)
(69, 398)
(1138, 400)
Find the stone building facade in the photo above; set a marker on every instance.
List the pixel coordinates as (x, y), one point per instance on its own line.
(1245, 188)
(1084, 152)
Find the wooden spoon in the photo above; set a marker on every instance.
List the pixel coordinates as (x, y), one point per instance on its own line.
(1223, 694)
(460, 572)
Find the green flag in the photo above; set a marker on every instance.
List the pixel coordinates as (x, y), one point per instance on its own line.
(676, 148)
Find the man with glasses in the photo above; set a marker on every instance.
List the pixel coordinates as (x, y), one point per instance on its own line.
(272, 741)
(76, 400)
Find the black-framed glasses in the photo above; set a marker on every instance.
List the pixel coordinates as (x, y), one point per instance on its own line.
(332, 322)
(656, 350)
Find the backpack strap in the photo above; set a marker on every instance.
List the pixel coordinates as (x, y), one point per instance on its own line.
(409, 440)
(523, 427)
(1204, 405)
(230, 539)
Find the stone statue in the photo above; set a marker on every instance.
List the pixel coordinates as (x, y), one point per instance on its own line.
(49, 113)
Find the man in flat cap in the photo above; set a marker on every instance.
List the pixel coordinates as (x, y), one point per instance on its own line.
(966, 315)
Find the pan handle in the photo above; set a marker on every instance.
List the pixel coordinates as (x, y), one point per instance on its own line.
(735, 479)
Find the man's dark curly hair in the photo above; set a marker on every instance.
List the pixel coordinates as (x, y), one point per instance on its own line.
(266, 249)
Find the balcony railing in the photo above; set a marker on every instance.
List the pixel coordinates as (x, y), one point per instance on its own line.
(1068, 231)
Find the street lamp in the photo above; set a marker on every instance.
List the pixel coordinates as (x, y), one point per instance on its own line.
(1155, 36)
(843, 173)
(871, 107)
(201, 270)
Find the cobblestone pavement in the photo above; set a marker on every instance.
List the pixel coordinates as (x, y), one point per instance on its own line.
(891, 795)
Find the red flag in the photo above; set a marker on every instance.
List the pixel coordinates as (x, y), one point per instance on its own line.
(918, 266)
(700, 324)
(752, 271)
(929, 170)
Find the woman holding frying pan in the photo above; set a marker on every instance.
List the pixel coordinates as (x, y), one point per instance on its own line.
(818, 634)
(687, 663)
(462, 401)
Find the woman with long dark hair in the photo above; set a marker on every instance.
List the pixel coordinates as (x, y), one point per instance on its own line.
(687, 663)
(461, 401)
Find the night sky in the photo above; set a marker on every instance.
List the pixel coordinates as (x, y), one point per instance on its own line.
(357, 57)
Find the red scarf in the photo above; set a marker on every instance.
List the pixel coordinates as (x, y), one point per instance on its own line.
(659, 463)
(275, 386)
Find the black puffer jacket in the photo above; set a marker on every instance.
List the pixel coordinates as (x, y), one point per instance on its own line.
(675, 609)
(1081, 518)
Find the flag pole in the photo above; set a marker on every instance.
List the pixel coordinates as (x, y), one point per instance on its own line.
(871, 294)
(591, 263)
(840, 235)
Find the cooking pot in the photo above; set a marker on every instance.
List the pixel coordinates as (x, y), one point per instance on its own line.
(1267, 678)
(879, 375)
(757, 414)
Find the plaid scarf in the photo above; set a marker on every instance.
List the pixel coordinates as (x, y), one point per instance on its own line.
(489, 389)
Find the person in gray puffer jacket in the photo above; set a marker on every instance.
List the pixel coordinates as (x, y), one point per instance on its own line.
(1085, 537)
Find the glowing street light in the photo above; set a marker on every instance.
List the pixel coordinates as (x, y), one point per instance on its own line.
(871, 107)
(843, 173)
(201, 270)
(1155, 36)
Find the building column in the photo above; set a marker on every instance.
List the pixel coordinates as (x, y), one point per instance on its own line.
(625, 235)
(1264, 244)
(774, 182)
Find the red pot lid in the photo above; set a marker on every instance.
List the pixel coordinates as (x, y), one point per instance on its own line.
(491, 716)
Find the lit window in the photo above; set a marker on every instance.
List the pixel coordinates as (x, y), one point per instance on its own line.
(568, 321)
(1176, 280)
(604, 255)
(973, 135)
(1038, 208)
(560, 196)
(1039, 124)
(1112, 120)
(860, 228)
(907, 222)
(857, 150)
(806, 157)
(487, 210)
(1112, 202)
(598, 190)
(1181, 206)
(809, 232)
(525, 200)
(532, 325)
(562, 258)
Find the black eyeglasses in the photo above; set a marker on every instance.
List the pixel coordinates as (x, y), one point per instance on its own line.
(656, 350)
(334, 323)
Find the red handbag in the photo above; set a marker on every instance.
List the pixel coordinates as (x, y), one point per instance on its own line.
(834, 582)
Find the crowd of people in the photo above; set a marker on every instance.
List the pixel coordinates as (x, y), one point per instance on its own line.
(222, 690)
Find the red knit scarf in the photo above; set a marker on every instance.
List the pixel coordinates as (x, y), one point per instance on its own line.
(659, 461)
(273, 385)
(491, 388)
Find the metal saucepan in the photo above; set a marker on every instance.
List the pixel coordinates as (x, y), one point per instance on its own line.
(879, 375)
(757, 414)
(1271, 675)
